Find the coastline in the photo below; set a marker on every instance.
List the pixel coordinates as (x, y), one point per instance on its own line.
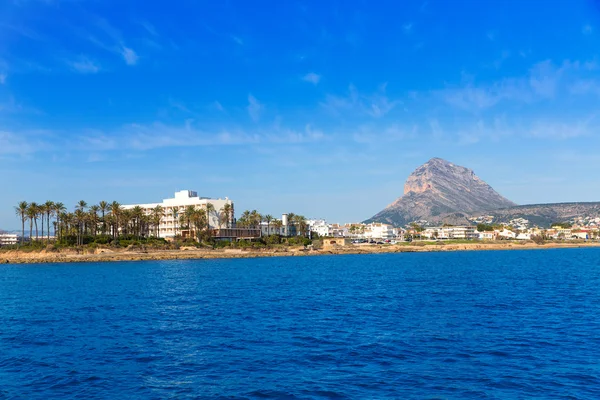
(106, 255)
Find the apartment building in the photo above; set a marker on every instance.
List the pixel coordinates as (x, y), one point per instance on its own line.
(175, 206)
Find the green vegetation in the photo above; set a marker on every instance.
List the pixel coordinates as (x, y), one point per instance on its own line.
(110, 225)
(563, 225)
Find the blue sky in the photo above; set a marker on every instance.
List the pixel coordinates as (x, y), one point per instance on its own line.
(317, 108)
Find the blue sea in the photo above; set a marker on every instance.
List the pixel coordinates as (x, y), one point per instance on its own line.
(480, 325)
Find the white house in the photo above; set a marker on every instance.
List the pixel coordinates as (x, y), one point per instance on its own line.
(488, 235)
(320, 227)
(506, 234)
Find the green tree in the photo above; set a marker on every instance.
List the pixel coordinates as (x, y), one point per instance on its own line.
(277, 224)
(268, 219)
(21, 211)
(210, 208)
(49, 209)
(93, 214)
(32, 214)
(59, 210)
(175, 214)
(157, 215)
(227, 214)
(115, 211)
(104, 208)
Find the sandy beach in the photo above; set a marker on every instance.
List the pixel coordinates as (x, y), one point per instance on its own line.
(108, 255)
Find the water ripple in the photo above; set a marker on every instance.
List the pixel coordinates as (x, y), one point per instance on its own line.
(477, 325)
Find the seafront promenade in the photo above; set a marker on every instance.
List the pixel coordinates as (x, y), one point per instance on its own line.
(107, 255)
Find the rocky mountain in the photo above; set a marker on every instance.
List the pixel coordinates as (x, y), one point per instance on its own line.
(439, 191)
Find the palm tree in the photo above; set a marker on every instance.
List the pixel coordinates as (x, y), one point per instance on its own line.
(59, 210)
(21, 211)
(115, 211)
(81, 205)
(175, 215)
(277, 224)
(255, 219)
(188, 213)
(300, 223)
(32, 214)
(136, 217)
(80, 219)
(104, 208)
(227, 214)
(158, 213)
(94, 218)
(244, 220)
(268, 218)
(209, 208)
(49, 208)
(290, 222)
(199, 221)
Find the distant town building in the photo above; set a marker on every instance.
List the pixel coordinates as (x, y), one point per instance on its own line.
(451, 232)
(9, 239)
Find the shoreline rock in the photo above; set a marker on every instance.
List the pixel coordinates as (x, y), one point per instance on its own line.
(71, 256)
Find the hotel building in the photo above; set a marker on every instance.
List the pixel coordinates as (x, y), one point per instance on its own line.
(179, 202)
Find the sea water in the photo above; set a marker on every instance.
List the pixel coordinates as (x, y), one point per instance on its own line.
(493, 324)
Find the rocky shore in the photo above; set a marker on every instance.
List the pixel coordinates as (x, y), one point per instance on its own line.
(107, 255)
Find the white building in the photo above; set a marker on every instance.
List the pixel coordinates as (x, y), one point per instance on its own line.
(451, 232)
(174, 207)
(320, 227)
(8, 239)
(380, 231)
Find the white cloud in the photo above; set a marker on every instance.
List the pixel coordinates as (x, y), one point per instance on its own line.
(237, 40)
(218, 106)
(254, 108)
(312, 78)
(544, 81)
(407, 27)
(84, 65)
(587, 29)
(130, 57)
(149, 27)
(376, 105)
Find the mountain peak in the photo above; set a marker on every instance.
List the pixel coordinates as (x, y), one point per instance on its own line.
(438, 187)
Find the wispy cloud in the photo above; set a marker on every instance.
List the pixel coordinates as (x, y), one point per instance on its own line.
(3, 77)
(130, 56)
(149, 27)
(376, 105)
(312, 78)
(544, 81)
(254, 108)
(84, 65)
(587, 29)
(117, 46)
(217, 105)
(407, 27)
(237, 39)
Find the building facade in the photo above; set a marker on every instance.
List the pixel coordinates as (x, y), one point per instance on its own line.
(175, 207)
(9, 239)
